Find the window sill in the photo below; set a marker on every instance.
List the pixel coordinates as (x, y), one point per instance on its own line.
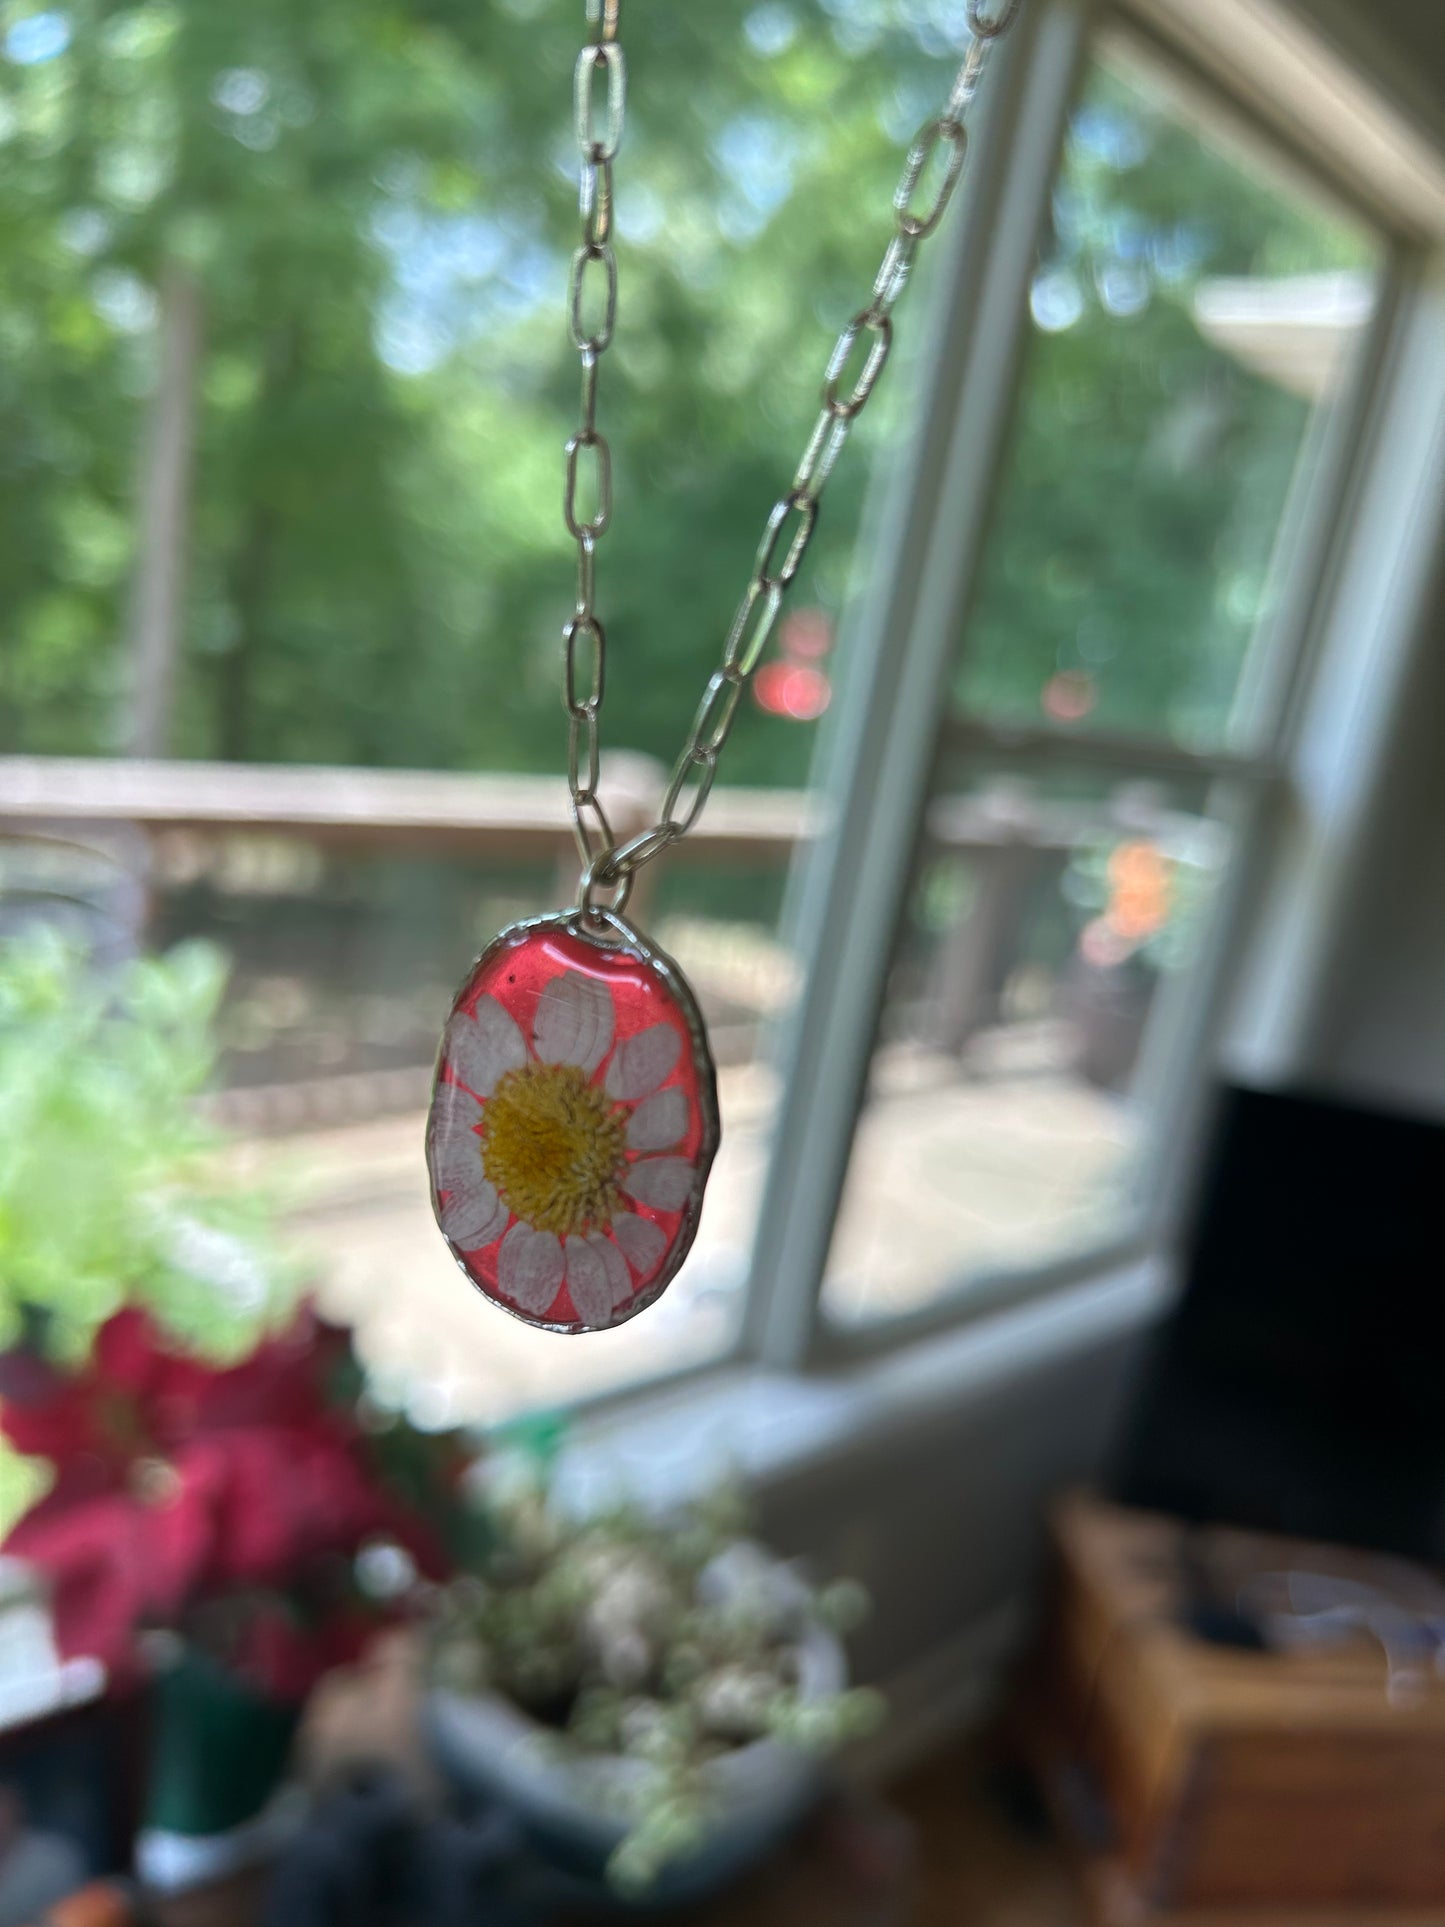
(769, 1427)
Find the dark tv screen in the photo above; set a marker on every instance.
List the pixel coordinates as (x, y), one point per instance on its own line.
(1300, 1384)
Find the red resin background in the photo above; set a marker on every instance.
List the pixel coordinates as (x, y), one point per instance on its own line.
(516, 971)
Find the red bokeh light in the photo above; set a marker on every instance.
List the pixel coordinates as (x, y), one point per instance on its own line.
(806, 635)
(793, 689)
(1069, 696)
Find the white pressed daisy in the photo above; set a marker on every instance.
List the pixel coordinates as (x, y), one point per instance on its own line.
(552, 1139)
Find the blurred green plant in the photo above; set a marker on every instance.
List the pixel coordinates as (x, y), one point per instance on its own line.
(664, 1641)
(112, 1187)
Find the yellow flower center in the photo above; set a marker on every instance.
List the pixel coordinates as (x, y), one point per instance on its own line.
(553, 1147)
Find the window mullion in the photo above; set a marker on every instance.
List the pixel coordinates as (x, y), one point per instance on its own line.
(905, 636)
(1307, 563)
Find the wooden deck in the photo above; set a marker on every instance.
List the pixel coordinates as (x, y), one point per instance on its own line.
(998, 1170)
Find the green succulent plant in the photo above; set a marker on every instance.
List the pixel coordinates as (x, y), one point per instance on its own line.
(608, 1632)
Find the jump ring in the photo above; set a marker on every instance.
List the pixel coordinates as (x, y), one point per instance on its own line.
(603, 873)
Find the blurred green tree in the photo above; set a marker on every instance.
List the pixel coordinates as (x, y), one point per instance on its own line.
(1149, 472)
(371, 203)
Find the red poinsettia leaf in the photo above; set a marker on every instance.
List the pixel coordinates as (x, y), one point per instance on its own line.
(131, 1400)
(292, 1496)
(178, 1484)
(157, 1395)
(139, 1397)
(99, 1572)
(47, 1413)
(58, 1426)
(85, 1476)
(285, 1382)
(128, 1348)
(182, 1528)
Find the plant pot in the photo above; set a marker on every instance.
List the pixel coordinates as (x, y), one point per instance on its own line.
(570, 1807)
(218, 1757)
(1110, 1004)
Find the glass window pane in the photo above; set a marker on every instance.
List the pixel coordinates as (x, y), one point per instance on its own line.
(327, 252)
(1049, 919)
(1191, 312)
(343, 965)
(361, 241)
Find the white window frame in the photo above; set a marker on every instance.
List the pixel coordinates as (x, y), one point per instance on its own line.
(1346, 542)
(880, 751)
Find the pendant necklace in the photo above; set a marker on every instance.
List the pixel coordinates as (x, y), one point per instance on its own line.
(574, 1114)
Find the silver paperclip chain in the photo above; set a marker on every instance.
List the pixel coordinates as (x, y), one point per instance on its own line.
(859, 357)
(591, 316)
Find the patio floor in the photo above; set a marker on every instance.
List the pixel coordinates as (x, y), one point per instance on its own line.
(953, 1173)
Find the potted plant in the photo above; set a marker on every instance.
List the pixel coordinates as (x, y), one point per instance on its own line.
(225, 1535)
(650, 1698)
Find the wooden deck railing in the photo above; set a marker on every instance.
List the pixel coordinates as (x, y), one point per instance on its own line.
(512, 816)
(137, 809)
(516, 816)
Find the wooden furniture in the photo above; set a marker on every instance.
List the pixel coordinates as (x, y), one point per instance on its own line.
(1207, 1786)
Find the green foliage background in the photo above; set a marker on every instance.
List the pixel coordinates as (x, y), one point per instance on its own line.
(376, 200)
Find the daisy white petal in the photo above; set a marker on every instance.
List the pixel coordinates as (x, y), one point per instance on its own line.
(472, 1214)
(642, 1241)
(661, 1182)
(482, 1046)
(529, 1268)
(457, 1110)
(456, 1155)
(619, 1278)
(640, 1063)
(588, 1284)
(659, 1123)
(574, 1021)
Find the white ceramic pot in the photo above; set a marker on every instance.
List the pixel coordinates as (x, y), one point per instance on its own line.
(573, 1810)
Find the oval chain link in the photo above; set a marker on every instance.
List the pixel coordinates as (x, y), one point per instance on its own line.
(938, 150)
(591, 318)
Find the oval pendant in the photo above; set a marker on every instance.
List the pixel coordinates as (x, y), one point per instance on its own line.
(573, 1122)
